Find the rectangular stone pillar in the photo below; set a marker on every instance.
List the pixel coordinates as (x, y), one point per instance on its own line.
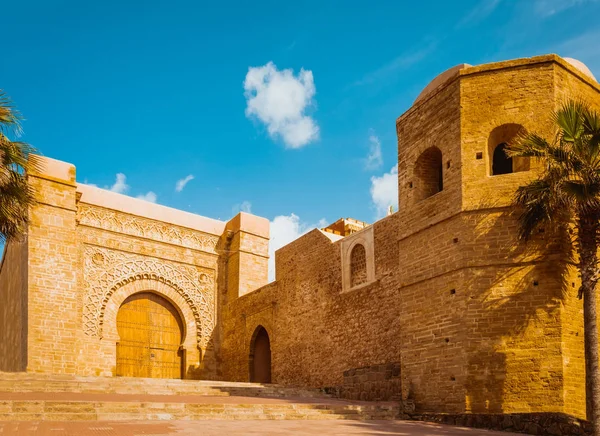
(53, 304)
(247, 251)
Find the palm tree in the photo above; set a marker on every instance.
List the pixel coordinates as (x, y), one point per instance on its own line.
(567, 193)
(16, 195)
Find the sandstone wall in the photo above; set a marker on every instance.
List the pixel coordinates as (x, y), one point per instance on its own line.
(89, 249)
(468, 318)
(317, 330)
(53, 295)
(373, 383)
(513, 350)
(143, 256)
(435, 122)
(570, 83)
(480, 322)
(13, 307)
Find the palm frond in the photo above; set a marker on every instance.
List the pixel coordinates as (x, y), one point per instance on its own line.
(591, 125)
(569, 120)
(17, 159)
(16, 196)
(532, 145)
(569, 184)
(10, 118)
(540, 204)
(528, 145)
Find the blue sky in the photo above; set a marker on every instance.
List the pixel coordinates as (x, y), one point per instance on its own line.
(276, 107)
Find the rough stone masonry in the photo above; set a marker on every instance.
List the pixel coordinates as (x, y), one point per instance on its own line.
(437, 304)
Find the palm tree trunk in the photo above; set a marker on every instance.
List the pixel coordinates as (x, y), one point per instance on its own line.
(588, 263)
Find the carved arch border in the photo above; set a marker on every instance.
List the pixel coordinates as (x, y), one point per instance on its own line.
(107, 271)
(116, 299)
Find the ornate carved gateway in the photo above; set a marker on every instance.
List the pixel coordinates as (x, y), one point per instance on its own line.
(117, 286)
(105, 271)
(125, 256)
(119, 222)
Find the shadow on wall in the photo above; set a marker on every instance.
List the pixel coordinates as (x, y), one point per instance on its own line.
(515, 333)
(206, 368)
(209, 368)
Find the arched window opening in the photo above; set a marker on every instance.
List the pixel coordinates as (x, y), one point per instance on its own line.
(260, 356)
(429, 173)
(358, 265)
(501, 162)
(498, 143)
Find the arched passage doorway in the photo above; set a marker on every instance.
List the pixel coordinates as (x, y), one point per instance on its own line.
(150, 333)
(260, 356)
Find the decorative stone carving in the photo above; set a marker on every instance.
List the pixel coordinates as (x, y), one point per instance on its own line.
(107, 270)
(146, 228)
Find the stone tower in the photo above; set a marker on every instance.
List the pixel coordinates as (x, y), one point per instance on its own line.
(500, 318)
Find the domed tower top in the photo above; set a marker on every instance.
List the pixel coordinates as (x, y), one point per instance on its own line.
(581, 67)
(451, 141)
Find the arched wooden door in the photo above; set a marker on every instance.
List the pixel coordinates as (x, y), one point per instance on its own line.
(150, 332)
(260, 357)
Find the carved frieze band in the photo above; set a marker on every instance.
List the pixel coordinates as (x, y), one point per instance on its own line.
(107, 270)
(146, 228)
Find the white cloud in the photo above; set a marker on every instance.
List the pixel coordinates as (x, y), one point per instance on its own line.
(374, 159)
(384, 191)
(120, 186)
(547, 8)
(182, 182)
(244, 206)
(480, 12)
(279, 100)
(285, 229)
(148, 196)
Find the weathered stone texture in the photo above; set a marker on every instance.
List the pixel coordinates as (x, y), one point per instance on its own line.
(13, 307)
(373, 383)
(54, 324)
(470, 320)
(83, 259)
(571, 83)
(317, 332)
(480, 322)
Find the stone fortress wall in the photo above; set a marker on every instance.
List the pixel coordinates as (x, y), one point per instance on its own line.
(478, 322)
(88, 249)
(437, 304)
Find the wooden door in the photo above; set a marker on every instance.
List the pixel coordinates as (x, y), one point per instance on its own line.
(150, 332)
(260, 370)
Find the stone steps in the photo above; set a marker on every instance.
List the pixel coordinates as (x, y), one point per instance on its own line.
(27, 382)
(51, 410)
(41, 397)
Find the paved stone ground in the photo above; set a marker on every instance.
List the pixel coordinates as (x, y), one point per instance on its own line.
(237, 428)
